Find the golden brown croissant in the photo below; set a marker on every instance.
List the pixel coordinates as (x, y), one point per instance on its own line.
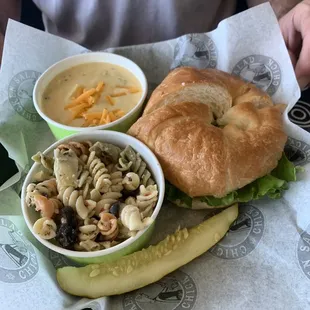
(222, 138)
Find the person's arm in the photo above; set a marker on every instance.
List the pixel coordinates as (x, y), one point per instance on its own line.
(8, 9)
(280, 7)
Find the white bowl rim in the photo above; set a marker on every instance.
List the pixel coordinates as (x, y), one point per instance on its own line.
(143, 82)
(127, 242)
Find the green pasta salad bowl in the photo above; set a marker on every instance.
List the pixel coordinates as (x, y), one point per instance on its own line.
(94, 196)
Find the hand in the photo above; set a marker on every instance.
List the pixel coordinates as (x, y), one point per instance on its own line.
(295, 27)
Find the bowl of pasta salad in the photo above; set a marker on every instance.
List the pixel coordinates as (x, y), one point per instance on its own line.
(93, 197)
(90, 91)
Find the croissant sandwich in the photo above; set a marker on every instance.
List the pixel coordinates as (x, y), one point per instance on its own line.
(219, 139)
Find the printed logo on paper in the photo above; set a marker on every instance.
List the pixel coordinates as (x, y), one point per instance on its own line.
(243, 236)
(174, 292)
(195, 50)
(20, 94)
(297, 151)
(59, 260)
(303, 252)
(260, 70)
(18, 261)
(300, 114)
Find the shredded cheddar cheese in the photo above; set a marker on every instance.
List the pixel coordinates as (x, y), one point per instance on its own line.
(103, 116)
(130, 89)
(110, 100)
(134, 90)
(77, 91)
(82, 99)
(119, 94)
(100, 87)
(78, 109)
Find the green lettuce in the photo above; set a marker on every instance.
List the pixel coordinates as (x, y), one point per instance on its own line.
(271, 185)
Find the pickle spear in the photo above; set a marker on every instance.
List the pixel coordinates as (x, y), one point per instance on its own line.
(148, 265)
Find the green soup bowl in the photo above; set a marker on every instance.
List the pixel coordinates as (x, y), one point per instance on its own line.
(122, 124)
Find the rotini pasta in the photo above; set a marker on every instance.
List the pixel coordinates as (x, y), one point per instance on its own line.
(47, 206)
(116, 181)
(108, 226)
(94, 195)
(99, 172)
(46, 188)
(45, 228)
(147, 198)
(69, 196)
(90, 220)
(106, 201)
(131, 161)
(79, 148)
(84, 182)
(131, 181)
(131, 218)
(88, 232)
(85, 208)
(109, 153)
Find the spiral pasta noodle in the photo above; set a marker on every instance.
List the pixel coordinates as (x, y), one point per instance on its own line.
(46, 188)
(131, 218)
(131, 161)
(47, 206)
(79, 148)
(131, 181)
(84, 182)
(107, 152)
(68, 196)
(88, 232)
(117, 181)
(108, 226)
(45, 228)
(85, 208)
(99, 172)
(147, 198)
(106, 201)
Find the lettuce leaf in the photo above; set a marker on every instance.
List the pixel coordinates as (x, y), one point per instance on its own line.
(271, 185)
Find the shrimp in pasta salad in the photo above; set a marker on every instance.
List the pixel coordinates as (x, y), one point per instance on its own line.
(93, 196)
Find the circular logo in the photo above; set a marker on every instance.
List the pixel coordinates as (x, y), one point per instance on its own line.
(300, 114)
(175, 291)
(260, 70)
(243, 235)
(20, 94)
(195, 50)
(60, 261)
(303, 252)
(18, 261)
(297, 151)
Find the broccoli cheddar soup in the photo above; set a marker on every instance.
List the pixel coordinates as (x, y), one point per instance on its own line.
(91, 94)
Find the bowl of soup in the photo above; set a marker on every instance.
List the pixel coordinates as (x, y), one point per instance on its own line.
(90, 91)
